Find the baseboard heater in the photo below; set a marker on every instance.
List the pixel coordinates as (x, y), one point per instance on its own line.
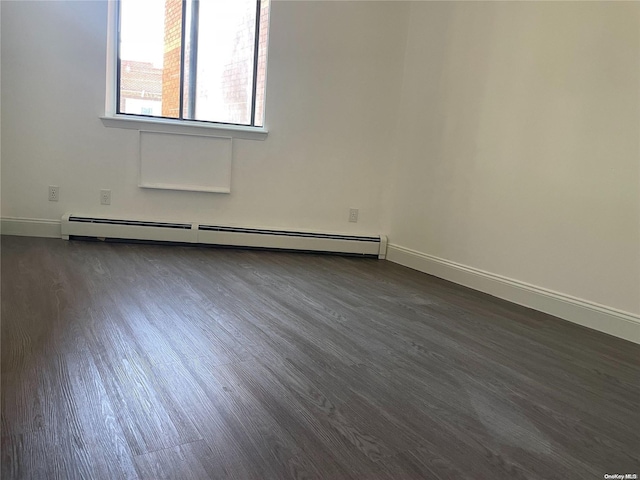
(187, 232)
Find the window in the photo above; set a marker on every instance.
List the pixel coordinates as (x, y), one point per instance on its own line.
(193, 60)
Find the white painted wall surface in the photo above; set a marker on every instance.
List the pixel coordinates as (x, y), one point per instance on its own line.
(334, 79)
(519, 143)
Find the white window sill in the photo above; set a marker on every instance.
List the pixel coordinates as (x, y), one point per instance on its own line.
(168, 125)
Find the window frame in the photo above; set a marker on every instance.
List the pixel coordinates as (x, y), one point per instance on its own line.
(112, 118)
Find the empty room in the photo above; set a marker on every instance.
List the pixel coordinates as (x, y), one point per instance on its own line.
(290, 239)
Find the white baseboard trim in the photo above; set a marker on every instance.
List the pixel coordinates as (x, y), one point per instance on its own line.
(30, 227)
(583, 312)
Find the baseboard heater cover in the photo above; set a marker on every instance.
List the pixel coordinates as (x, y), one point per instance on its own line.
(114, 228)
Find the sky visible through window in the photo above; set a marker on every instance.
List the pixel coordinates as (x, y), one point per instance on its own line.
(142, 31)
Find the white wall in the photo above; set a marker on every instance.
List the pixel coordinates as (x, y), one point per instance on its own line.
(334, 78)
(519, 138)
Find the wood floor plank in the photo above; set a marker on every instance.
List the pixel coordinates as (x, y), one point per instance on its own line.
(423, 463)
(108, 454)
(183, 462)
(157, 361)
(148, 424)
(231, 451)
(79, 436)
(304, 408)
(262, 434)
(30, 456)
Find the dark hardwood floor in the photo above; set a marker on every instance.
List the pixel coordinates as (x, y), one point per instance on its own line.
(146, 361)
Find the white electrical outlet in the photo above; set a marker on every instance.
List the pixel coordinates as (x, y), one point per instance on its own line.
(105, 197)
(54, 193)
(353, 215)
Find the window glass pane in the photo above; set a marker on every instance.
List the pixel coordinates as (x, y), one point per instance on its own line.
(150, 57)
(226, 40)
